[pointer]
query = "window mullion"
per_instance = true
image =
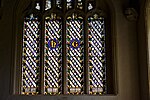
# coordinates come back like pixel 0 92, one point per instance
pixel 86 74
pixel 42 34
pixel 42 57
pixel 53 3
pixel 42 51
pixel 64 78
pixel 64 91
pixel 43 2
pixel 75 4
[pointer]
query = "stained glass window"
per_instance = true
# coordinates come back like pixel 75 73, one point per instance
pixel 53 55
pixel 37 6
pixel 91 4
pixel 69 4
pixel 79 5
pixel 59 3
pixel 31 55
pixel 97 55
pixel 48 4
pixel 64 49
pixel 75 54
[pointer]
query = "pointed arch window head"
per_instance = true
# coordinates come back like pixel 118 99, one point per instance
pixel 65 51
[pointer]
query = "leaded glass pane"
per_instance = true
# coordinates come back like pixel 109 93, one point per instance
pixel 59 3
pixel 69 4
pixel 75 54
pixel 30 56
pixel 80 4
pixel 91 4
pixel 97 55
pixel 48 4
pixel 53 55
pixel 37 6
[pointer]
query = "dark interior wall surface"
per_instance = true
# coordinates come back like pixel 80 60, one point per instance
pixel 6 45
pixel 126 51
pixel 143 48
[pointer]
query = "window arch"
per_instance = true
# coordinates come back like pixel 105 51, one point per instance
pixel 64 49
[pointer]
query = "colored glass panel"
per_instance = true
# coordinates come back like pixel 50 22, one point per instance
pixel 59 3
pixel 69 4
pixel 97 55
pixel 30 56
pixel 48 4
pixel 37 6
pixel 80 4
pixel 75 54
pixel 91 5
pixel 53 55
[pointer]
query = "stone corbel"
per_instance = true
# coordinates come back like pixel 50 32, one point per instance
pixel 131 14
